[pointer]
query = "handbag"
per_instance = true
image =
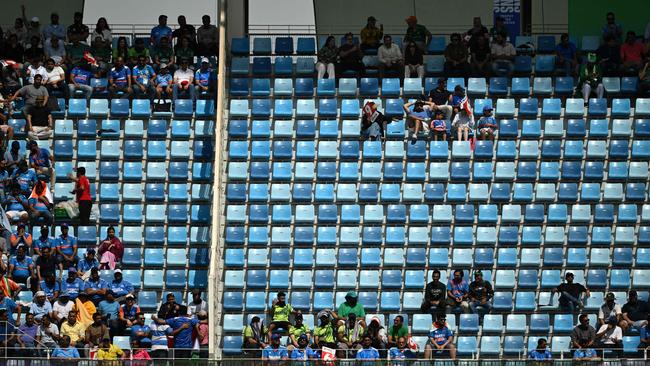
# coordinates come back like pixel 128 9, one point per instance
pixel 162 105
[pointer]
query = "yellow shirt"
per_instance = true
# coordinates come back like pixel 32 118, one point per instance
pixel 371 36
pixel 109 354
pixel 75 332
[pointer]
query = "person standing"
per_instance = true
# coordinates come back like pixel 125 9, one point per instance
pixel 82 191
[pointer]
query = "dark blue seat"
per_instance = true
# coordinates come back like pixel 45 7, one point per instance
pixel 563 85
pixel 568 191
pixel 261 66
pixel 304 87
pixel 283 66
pixel 133 149
pixel 484 149
pixel 635 192
pixel 629 85
pixel 551 149
pixel 369 87
pixel 597 107
pixel 284 46
pixel 261 87
pixel 508 235
pixel 571 170
pixel 534 213
pixel 306 128
pixel 526 170
pixel 434 192
pixel 498 86
pixel 240 46
pixel 508 128
pixel 593 171
pixel 119 108
pixel 109 170
pixel 523 65
pixel 500 192
pixel 618 149
pixel 576 128
pixel 306 46
pixel 528 107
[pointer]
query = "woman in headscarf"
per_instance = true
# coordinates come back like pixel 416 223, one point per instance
pixel 110 250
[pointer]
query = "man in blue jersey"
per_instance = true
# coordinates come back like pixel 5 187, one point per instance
pixel 161 31
pixel 120 286
pixel 585 353
pixel 80 80
pixel 95 286
pixel 400 352
pixel 66 248
pixel 182 328
pixel 72 284
pixel 205 79
pixel 119 80
pixel 143 79
pixel 50 286
pixel 440 338
pixel 24 177
pixel 367 352
pixel 43 241
pixel 274 351
pixel 21 266
pixel 303 351
pixel 541 353
pixel 87 263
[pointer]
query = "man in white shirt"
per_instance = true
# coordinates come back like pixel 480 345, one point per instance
pixel 35 68
pixel 610 335
pixel 184 81
pixel 390 57
pixel 197 304
pixel 609 308
pixel 503 53
pixel 62 307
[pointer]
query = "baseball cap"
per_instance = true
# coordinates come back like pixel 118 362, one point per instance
pixel 610 296
pixel 129 296
pixel 163 65
pixel 117 271
pixel 35 20
pixel 303 337
pixel 90 251
pixel 64 225
pixel 205 59
pixel 478 273
pixel 72 270
pixel 275 336
pixel 487 108
pixel 351 294
pixel 39 293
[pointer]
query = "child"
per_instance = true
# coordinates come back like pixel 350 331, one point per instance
pixel 487 124
pixel 438 126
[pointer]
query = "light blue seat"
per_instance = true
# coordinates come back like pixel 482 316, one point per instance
pixel 478 86
pixel 542 86
pixel 467 346
pixel 551 107
pixel 505 108
pixel 347 87
pixel 520 86
pixel 413 86
pixel 574 107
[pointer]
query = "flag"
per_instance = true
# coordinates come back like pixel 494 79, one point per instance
pixel 370 111
pixel 412 345
pixel 90 58
pixel 464 104
pixel 6 63
pixel 328 354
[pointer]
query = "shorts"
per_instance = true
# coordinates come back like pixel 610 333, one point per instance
pixel 281 324
pixel 487 129
pixel 14 215
pixel 639 323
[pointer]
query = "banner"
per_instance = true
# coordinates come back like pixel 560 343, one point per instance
pixel 510 11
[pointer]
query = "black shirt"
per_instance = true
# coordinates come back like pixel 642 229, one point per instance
pixel 39 116
pixel 34 52
pixel 47 265
pixel 636 312
pixel 415 58
pixel 435 291
pixel 77 29
pixel 573 289
pixel 480 290
pixel 480 52
pixel 13 53
pixel 439 97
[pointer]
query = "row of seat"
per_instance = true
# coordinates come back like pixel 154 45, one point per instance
pixel 149 235
pixel 529 235
pixel 112 128
pixel 111 171
pixel 158 257
pixel 64 149
pixel 154 213
pixel 390 87
pixel 120 108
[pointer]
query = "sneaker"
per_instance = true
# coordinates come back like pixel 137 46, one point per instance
pixel 414 139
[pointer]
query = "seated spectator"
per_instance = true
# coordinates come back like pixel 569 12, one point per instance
pixel 327 58
pixel 14 50
pixel 140 331
pixel 440 338
pixel 303 351
pixel 442 98
pixel 111 250
pixel 34 52
pixel 609 309
pixel 96 332
pixel 610 336
pixel 566 55
pixel 97 288
pixel 480 56
pixel 377 333
pixel 274 351
pixel 349 56
pixel 254 338
pixel 86 308
pixel 139 350
pixel 137 51
pixel 50 286
pixel 591 79
pixel 8 287
pixel 101 51
pixel 457 292
pixel 348 336
pixel 31 92
pixel 40 306
pixel 351 305
pixel 20 237
pixel 583 335
pixel 486 125
pixel 390 57
pixel 499 27
pixel 40 158
pixel 279 313
pixel 397 330
pixel 540 353
pixel 164 82
pixel 197 304
pixel 296 330
pixel 584 353
pixel 163 54
pixel 76 52
pixel 169 309
pixel 21 266
pixel 40 204
pixel 480 295
pixel 413 61
pixel 66 247
pixel 55 77
pixel 434 296
pixel 55 49
pixel 24 177
pixel 478 29
pixel 35 68
pixel 371 35
pixel 15 206
pixel 102 30
pixel 644 337
pixel 205 79
pixel 644 80
pixel 609 56
pixel 367 351
pixel 161 31
pixel 128 312
pixel 109 351
pixel 456 57
pixel 183 49
pixel 324 331
pixel 635 312
pixel 502 54
pixel 46 264
pixel 203 333
pixel 12 156
pixel 73 285
pixel 632 54
pixel 80 80
pixel 119 80
pixel 122 49
pixel 417 33
pixel 62 308
pixel 612 29
pixel 401 351
pixel 26 336
pixel 570 294
pixel 208 38
pixel 109 310
pixel 78 31
pixel 47 334
pixel 87 263
pixel 184 82
pixel 463 122
pixel 65 350
pixel 143 79
pixel 419 117
pixel 120 286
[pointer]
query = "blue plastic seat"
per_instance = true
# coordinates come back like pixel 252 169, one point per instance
pixel 283 46
pixel 119 107
pixel 544 64
pixel 281 87
pixel 239 86
pixel 282 66
pixel 304 87
pixel 551 107
pixel 542 86
pixel 563 85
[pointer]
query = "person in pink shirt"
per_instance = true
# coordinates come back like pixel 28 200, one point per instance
pixel 632 53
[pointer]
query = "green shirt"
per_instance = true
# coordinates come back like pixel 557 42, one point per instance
pixel 281 313
pixel 396 333
pixel 185 53
pixel 134 54
pixel 76 53
pixel 324 334
pixel 419 34
pixel 346 309
pixel 103 52
pixel 349 333
pixel 298 331
pixel 163 54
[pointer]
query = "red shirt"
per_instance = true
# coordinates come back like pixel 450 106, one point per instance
pixel 631 52
pixel 85 184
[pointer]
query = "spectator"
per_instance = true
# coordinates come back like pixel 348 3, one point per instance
pixel 39 306
pixel 20 237
pixel 55 78
pixel 163 82
pixel 143 77
pixel 140 331
pixel 109 351
pixel 47 334
pixel 62 307
pixel 139 351
pixel 65 350
pixel 418 117
pixel 25 178
pixel 31 92
pixel 13 50
pixel 502 54
pixel 612 29
pixel 440 338
pixel 40 159
pixel 390 57
pixel 303 351
pixel 413 61
pixel 55 49
pixel 367 352
pixel 128 312
pixel 185 30
pixel 296 330
pixel 101 51
pixel 73 285
pixel 109 309
pixel 541 353
pixel 609 309
pixel 10 306
pixel 635 312
pixel 417 33
pixel 434 296
pixel 169 309
pixel 571 294
pixel 15 206
pixel 583 335
pixel 197 304
pixel 585 353
pixel 442 98
pixel 54 29
pixel 350 56
pixel 644 80
pixel 486 125
pixel 163 54
pixel 590 78
pixel 274 351
pixel 19 30
pixel 80 80
pixel 8 287
pixel 78 31
pixel 21 266
pixel 644 335
pixel 87 263
pixel 480 295
pixel 324 331
pixel 66 247
pixel 373 122
pixel 86 308
pixel 208 38
pixel 159 334
pixel 161 31
pixel 566 55
pixel 205 79
pixel 11 82
pixel 43 241
pixel 34 52
pixel 464 120
pixel 480 56
pixel 26 336
pixel 119 80
pixel 50 286
pixel 103 31
pixel 184 81
pixel 122 49
pixel 39 203
pixel 253 334
pixel 478 29
pixel 348 336
pixel 35 68
pixel 327 58
pixel 46 264
pixel 82 192
pixel 76 52
pixel 397 330
pixel 401 351
pixel 371 35
pixel 96 332
pixel 610 335
pixel 456 57
pixel 499 27
pixel 351 305
pixel 280 312
pixel 138 50
pixel 377 333
pixel 97 288
pixel 182 326
pixel 184 50
pixel 13 156
pixel 110 250
pixel 632 54
pixel 457 292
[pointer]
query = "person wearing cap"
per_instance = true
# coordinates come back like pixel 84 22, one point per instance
pixel 170 308
pixel 33 26
pixel 348 336
pixel 32 91
pixel 456 54
pixel 566 55
pixel 324 331
pixel 367 351
pixel 570 294
pixel 590 78
pixel 43 241
pixel 297 330
pixel 503 55
pixel 97 288
pixel 65 350
pixel 440 338
pixel 326 59
pixel 480 295
pixel 610 335
pixel 46 263
pixel 87 263
pixel 109 351
pixel 463 122
pixel 128 312
pixel 66 248
pixel 139 330
pixel 183 81
pixel 205 79
pixel 119 285
pixel 161 31
pixel 183 326
pixel 143 76
pixel 417 33
pixel 54 29
pixel 73 285
pixel 458 292
pixel 634 312
pixel 47 334
pixel 254 336
pixel 82 194
pixel 279 313
pixel 79 80
pixel 419 114
pixel 40 158
pixel 486 125
pixel 208 38
pixel 351 305
pixel 303 351
pixel 50 286
pixel 371 35
pixel 583 334
pixel 10 307
pixel 78 31
pixel 40 306
pixel 377 333
pixel 274 351
pixel 119 80
pixel 350 56
pixel 21 266
pixel 609 309
pixel 541 352
pixel 163 82
pixel 390 57
pixel 62 307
